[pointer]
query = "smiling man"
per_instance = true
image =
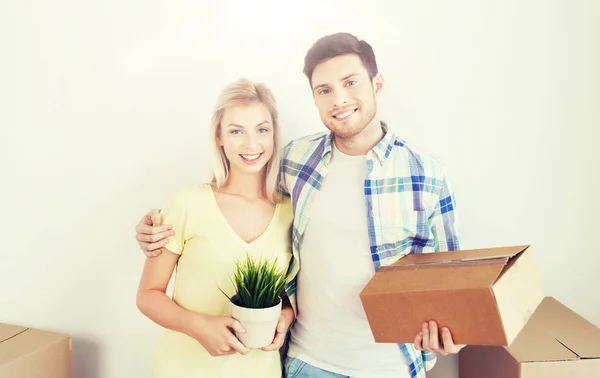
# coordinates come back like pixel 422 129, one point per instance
pixel 362 199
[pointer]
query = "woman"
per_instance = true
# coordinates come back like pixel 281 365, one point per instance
pixel 214 224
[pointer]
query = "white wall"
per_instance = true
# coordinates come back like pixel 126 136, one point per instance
pixel 105 108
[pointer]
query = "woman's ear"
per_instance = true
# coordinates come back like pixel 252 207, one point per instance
pixel 219 138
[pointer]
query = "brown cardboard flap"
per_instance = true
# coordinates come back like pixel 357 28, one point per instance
pixel 447 263
pixel 425 278
pixel 575 332
pixel 548 350
pixel 446 270
pixel 556 333
pixel 8 331
pixel 457 257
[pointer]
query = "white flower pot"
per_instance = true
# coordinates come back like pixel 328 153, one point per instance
pixel 260 324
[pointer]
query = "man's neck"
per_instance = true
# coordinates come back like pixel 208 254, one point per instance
pixel 363 142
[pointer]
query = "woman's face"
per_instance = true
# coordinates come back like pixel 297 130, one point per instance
pixel 247 137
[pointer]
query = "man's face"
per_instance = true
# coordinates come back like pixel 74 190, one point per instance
pixel 344 95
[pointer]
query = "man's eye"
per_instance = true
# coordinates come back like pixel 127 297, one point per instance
pixel 236 131
pixel 351 83
pixel 324 91
pixel 263 130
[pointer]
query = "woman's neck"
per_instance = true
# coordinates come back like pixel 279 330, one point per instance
pixel 247 185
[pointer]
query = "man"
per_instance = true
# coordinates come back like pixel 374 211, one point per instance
pixel 362 199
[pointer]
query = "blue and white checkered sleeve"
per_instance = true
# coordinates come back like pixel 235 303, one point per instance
pixel 443 219
pixel 429 359
pixel 281 180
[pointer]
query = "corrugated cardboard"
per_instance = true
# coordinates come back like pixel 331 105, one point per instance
pixel 555 343
pixel 33 353
pixel 484 296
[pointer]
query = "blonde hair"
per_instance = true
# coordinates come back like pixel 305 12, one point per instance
pixel 245 92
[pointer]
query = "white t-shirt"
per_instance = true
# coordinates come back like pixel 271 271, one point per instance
pixel 332 331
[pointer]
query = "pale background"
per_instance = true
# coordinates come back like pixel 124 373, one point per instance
pixel 105 108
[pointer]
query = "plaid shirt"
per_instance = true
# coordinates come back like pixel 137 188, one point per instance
pixel 409 203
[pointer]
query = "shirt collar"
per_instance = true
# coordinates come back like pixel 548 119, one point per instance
pixel 381 150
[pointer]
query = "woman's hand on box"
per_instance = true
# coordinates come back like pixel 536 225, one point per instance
pixel 428 339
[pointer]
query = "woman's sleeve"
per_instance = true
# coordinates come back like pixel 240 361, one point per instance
pixel 175 213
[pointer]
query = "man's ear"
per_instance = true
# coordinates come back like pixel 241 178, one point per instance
pixel 378 84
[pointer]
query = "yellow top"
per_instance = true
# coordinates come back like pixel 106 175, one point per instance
pixel 209 248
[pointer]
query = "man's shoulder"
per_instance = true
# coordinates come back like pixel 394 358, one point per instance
pixel 310 141
pixel 426 161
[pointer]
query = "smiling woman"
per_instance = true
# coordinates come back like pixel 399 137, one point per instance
pixel 245 131
pixel 213 225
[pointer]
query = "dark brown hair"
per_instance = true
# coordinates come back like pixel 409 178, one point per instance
pixel 337 44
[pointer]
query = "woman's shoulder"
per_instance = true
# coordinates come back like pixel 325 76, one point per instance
pixel 191 195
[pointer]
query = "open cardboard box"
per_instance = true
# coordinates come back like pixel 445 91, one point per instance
pixel 484 296
pixel 33 353
pixel 555 343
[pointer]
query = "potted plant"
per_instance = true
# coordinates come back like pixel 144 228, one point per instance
pixel 256 304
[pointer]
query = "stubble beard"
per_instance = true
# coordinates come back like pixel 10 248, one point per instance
pixel 347 134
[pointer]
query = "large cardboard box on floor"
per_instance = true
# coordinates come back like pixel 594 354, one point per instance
pixel 33 353
pixel 555 343
pixel 484 296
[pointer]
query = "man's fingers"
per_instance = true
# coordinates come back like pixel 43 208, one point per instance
pixel 146 229
pixel 434 340
pixel 153 249
pixel 146 220
pixel 153 253
pixel 161 228
pixel 447 338
pixel 153 238
pixel 143 228
pixel 158 245
pixel 419 341
pixel 425 332
pixel 429 339
pixel 155 217
pixel 449 346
